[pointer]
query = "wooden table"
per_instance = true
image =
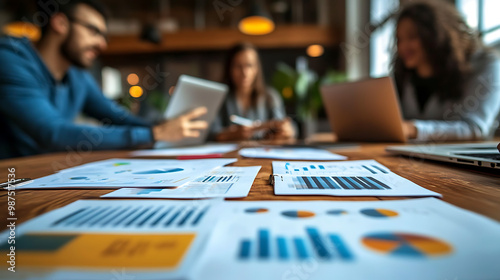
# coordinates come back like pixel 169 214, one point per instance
pixel 469 188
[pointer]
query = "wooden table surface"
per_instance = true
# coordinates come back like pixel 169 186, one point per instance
pixel 470 188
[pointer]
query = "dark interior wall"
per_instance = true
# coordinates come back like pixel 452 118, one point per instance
pixel 209 65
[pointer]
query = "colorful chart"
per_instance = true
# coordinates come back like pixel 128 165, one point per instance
pixel 79 178
pixel 379 213
pixel 50 250
pixel 256 210
pixel 298 214
pixel 336 212
pixel 115 217
pixel 121 163
pixel 313 244
pixel 159 171
pixel 406 245
pixel 148 191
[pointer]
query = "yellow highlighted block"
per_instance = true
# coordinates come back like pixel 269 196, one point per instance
pixel 97 250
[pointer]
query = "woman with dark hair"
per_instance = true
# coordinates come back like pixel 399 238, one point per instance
pixel 449 84
pixel 250 98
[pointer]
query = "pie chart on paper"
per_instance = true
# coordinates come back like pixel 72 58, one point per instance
pixel 406 245
pixel 298 214
pixel 256 210
pixel 379 213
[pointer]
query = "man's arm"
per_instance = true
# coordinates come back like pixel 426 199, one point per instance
pixel 27 107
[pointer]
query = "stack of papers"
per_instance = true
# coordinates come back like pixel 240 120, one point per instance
pixel 125 239
pixel 187 151
pixel 348 178
pixel 131 173
pixel 410 239
pixel 230 182
pixel 214 239
pixel 290 153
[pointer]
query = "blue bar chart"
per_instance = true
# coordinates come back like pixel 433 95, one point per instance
pixel 140 216
pixel 312 244
pixel 346 183
pixel 374 169
pixel 218 179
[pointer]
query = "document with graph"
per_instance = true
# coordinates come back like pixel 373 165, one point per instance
pixel 129 173
pixel 405 239
pixel 347 178
pixel 103 239
pixel 220 182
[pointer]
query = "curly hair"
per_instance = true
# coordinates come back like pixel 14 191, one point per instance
pixel 447 41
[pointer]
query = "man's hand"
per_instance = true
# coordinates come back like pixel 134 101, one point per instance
pixel 184 126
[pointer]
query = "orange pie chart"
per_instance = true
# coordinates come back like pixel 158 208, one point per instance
pixel 406 245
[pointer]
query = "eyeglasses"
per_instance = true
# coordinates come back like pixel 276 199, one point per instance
pixel 94 30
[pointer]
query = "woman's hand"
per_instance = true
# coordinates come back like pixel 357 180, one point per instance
pixel 280 129
pixel 409 130
pixel 237 133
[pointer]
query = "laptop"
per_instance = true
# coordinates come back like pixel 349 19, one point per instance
pixel 191 92
pixel 477 154
pixel 366 110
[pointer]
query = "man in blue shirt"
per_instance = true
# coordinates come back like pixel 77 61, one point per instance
pixel 43 87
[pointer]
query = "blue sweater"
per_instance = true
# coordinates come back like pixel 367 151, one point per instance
pixel 38 112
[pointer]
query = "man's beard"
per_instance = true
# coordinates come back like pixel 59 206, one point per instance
pixel 70 53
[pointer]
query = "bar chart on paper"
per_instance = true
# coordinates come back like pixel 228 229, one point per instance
pixel 141 216
pixel 313 244
pixel 392 239
pixel 361 167
pixel 346 183
pixel 220 182
pixel 348 178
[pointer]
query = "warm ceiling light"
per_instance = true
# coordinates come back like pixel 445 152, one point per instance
pixel 287 92
pixel 133 79
pixel 257 21
pixel 23 29
pixel 315 50
pixel 136 91
pixel 256 25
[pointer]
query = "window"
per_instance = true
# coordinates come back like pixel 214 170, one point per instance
pixel 382 39
pixel 482 15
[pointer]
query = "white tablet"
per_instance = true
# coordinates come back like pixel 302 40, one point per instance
pixel 190 93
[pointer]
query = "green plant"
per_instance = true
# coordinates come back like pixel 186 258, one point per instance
pixel 302 88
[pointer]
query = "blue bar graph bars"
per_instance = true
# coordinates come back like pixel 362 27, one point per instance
pixel 373 169
pixel 245 249
pixel 345 183
pixel 218 179
pixel 137 217
pixel 313 244
pixel 264 251
pixel 282 248
pixel 318 244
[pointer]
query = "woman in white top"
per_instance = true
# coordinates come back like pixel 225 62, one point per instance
pixel 449 84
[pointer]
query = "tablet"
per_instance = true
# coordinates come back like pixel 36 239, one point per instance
pixel 189 93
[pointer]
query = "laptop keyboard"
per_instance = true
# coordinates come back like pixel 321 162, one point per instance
pixel 485 156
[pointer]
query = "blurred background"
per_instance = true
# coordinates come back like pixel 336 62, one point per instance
pixel 302 43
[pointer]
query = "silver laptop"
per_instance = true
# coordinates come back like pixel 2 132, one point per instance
pixel 477 154
pixel 366 110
